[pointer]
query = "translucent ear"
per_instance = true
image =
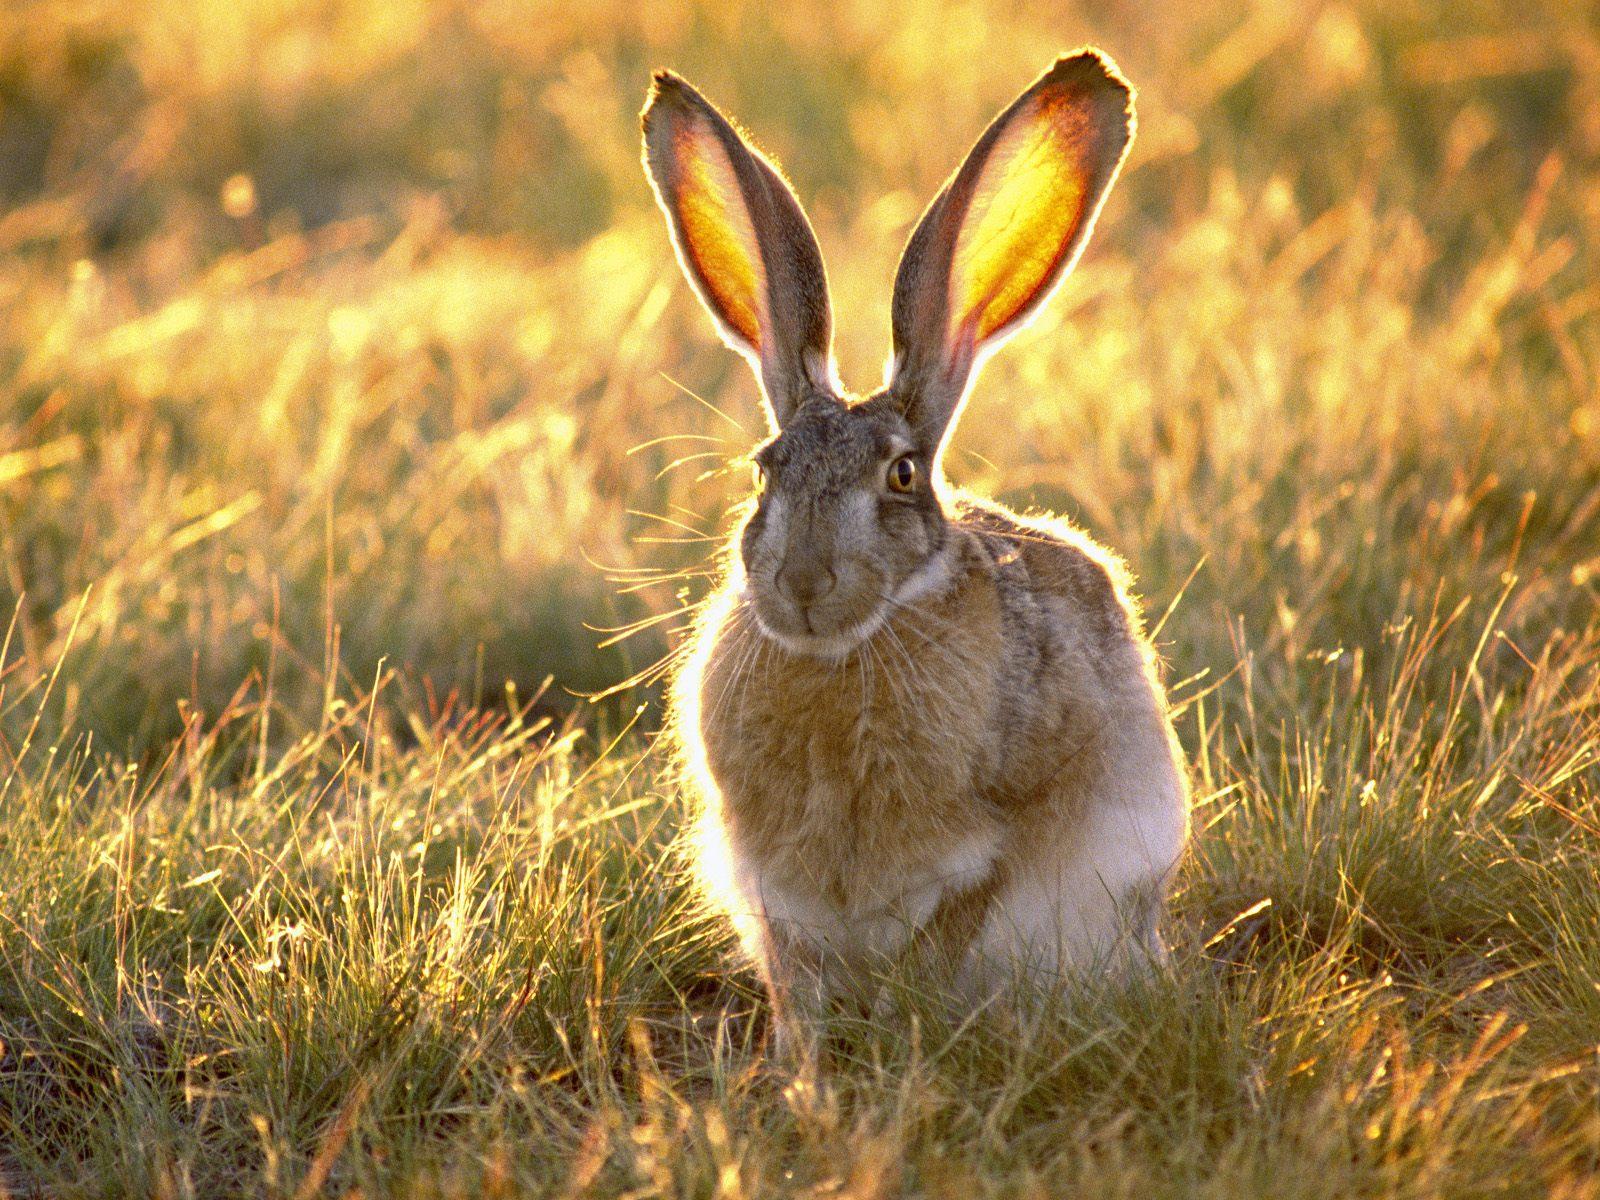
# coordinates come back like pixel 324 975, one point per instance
pixel 1004 231
pixel 743 241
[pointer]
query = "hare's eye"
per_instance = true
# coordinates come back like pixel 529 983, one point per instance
pixel 902 474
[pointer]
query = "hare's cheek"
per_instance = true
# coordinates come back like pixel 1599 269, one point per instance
pixel 929 577
pixel 855 510
pixel 761 544
pixel 908 540
pixel 856 535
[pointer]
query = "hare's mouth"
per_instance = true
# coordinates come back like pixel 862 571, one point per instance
pixel 794 631
pixel 831 646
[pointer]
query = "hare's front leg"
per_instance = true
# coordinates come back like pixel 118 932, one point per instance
pixel 935 958
pixel 794 971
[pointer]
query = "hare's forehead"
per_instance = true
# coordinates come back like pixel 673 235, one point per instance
pixel 831 443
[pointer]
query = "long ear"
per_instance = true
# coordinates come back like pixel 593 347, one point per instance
pixel 1004 232
pixel 744 243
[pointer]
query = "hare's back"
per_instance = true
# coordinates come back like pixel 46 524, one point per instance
pixel 1054 560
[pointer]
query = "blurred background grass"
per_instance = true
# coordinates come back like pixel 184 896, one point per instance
pixel 321 315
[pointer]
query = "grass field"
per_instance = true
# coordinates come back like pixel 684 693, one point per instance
pixel 349 390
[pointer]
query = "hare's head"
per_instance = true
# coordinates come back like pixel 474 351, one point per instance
pixel 847 521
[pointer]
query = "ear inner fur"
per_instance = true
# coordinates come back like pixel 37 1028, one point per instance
pixel 1004 232
pixel 744 242
pixel 1018 232
pixel 718 242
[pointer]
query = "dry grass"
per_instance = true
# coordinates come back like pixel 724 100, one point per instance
pixel 342 358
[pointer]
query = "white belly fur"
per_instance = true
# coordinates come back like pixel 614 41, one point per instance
pixel 1076 890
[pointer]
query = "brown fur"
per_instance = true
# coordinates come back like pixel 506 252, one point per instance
pixel 988 702
pixel 920 727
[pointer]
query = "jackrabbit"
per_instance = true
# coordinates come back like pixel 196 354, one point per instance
pixel 922 728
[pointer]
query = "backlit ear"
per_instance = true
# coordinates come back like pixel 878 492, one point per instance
pixel 744 243
pixel 1004 232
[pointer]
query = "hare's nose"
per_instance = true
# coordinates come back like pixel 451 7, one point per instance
pixel 803 588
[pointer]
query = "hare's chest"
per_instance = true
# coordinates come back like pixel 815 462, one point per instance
pixel 830 772
pixel 850 794
pixel 869 739
pixel 847 840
